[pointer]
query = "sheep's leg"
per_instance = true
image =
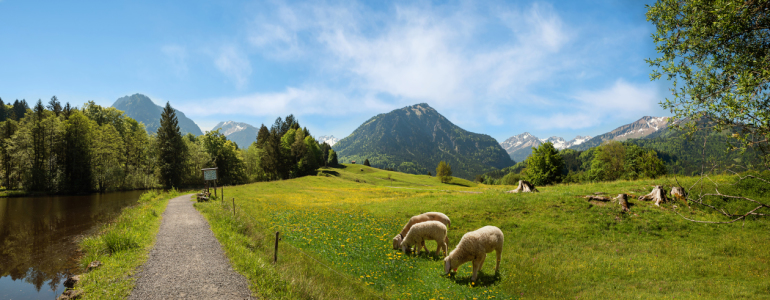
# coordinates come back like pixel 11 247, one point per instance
pixel 499 255
pixel 422 244
pixel 476 267
pixel 418 246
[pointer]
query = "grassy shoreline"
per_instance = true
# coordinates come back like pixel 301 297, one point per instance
pixel 122 246
pixel 336 233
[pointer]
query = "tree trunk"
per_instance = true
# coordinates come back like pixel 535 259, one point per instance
pixel 623 201
pixel 658 195
pixel 524 187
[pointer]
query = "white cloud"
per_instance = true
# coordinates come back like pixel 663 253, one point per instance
pixel 419 53
pixel 234 64
pixel 616 102
pixel 298 101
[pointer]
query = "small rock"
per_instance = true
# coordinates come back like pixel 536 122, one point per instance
pixel 93 265
pixel 70 282
pixel 71 294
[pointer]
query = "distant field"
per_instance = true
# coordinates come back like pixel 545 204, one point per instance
pixel 337 227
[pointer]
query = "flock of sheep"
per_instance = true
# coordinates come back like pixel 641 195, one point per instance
pixel 473 246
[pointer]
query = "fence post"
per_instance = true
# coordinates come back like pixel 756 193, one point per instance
pixel 233 207
pixel 275 255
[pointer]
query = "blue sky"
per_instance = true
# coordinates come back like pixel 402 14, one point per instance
pixel 561 68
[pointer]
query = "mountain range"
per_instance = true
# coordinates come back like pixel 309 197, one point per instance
pixel 641 128
pixel 240 133
pixel 329 139
pixel 520 146
pixel 414 139
pixel 139 107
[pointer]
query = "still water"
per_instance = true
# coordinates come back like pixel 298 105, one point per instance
pixel 39 235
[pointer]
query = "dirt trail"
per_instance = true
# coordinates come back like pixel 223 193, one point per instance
pixel 187 261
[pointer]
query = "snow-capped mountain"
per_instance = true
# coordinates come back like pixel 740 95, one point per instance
pixel 329 139
pixel 241 133
pixel 641 128
pixel 520 146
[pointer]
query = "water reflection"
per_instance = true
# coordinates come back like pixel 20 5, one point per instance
pixel 38 239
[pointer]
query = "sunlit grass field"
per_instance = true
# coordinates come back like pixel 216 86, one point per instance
pixel 337 227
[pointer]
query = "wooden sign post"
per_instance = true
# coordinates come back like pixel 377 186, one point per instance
pixel 210 175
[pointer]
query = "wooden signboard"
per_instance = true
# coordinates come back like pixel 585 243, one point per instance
pixel 210 174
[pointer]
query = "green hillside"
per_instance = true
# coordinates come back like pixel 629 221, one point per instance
pixel 416 138
pixel 139 107
pixel 336 232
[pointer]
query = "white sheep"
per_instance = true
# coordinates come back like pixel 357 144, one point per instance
pixel 429 230
pixel 474 246
pixel 428 216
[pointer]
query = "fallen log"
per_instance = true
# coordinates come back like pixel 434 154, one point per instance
pixel 658 195
pixel 623 201
pixel 597 198
pixel 524 187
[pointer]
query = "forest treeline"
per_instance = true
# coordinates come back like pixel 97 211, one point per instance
pixel 610 161
pixel 59 148
pixel 668 152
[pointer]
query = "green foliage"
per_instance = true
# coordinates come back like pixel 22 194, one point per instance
pixel 224 156
pixel 715 54
pixel 444 172
pixel 545 165
pixel 366 163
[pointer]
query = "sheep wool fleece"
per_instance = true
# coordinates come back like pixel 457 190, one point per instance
pixel 474 247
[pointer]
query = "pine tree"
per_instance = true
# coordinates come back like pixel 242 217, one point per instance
pixel 366 163
pixel 3 113
pixel 171 149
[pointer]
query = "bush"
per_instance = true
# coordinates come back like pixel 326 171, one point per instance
pixel 510 179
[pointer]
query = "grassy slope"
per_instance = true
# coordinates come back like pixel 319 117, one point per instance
pixel 337 241
pixel 122 246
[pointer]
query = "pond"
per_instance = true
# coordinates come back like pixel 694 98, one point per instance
pixel 39 235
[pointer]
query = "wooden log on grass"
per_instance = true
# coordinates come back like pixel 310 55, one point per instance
pixel 597 198
pixel 658 195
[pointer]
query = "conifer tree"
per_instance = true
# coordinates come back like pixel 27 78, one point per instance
pixel 171 149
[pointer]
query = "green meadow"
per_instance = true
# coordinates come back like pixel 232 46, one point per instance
pixel 336 232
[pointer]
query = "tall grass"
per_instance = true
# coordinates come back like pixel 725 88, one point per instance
pixel 122 246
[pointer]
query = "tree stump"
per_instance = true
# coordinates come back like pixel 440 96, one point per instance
pixel 623 201
pixel 678 192
pixel 524 187
pixel 658 195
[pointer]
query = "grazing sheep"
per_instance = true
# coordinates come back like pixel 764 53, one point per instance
pixel 428 216
pixel 474 246
pixel 429 230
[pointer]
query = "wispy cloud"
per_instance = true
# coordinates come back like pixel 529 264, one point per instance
pixel 592 107
pixel 490 64
pixel 234 64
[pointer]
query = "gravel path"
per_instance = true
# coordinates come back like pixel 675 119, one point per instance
pixel 187 261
